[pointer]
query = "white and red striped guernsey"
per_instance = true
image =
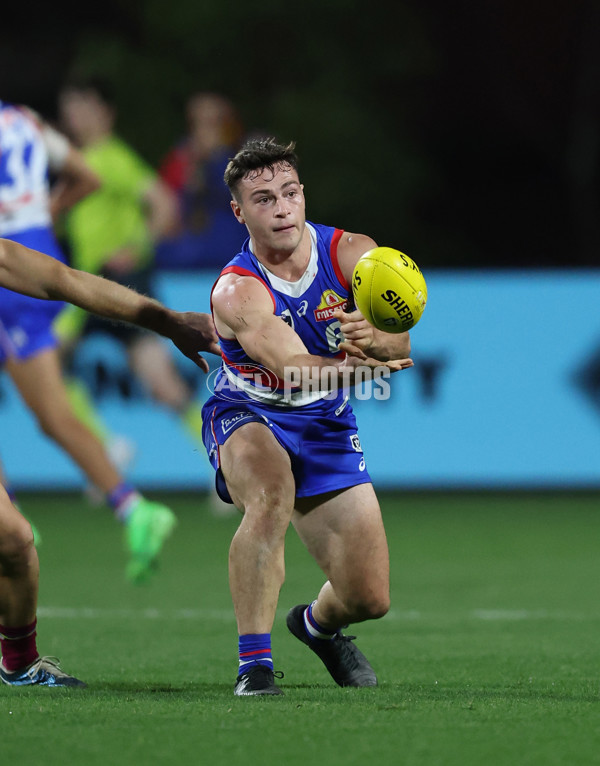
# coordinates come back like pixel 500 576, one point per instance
pixel 24 184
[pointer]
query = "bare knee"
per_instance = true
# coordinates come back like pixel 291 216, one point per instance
pixel 370 606
pixel 16 548
pixel 269 510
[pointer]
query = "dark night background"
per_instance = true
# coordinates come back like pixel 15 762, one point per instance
pixel 465 133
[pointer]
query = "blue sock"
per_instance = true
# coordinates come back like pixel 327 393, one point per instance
pixel 315 631
pixel 121 498
pixel 255 649
pixel 11 494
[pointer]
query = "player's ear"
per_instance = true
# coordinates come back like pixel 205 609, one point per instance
pixel 237 211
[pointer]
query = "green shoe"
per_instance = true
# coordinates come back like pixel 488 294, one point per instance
pixel 147 527
pixel 37 538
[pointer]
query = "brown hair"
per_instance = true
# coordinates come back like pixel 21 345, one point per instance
pixel 256 155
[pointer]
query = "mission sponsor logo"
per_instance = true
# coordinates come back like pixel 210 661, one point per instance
pixel 330 301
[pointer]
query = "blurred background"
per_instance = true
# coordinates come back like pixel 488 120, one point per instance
pixel 464 134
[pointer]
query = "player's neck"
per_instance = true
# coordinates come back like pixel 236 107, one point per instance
pixel 287 265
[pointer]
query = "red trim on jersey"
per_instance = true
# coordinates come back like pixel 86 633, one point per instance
pixel 333 252
pixel 247 273
pixel 243 273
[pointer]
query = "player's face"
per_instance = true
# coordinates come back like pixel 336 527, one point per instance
pixel 273 209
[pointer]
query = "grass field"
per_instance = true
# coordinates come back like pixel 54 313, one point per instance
pixel 490 655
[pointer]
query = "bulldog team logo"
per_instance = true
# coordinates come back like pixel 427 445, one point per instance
pixel 330 301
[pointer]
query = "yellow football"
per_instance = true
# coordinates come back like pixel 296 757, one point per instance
pixel 389 289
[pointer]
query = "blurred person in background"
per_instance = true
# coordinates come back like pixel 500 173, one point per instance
pixel 29 150
pixel 114 232
pixel 42 277
pixel 206 232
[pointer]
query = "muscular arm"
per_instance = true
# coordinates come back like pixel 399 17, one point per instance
pixel 35 274
pixel 380 345
pixel 243 309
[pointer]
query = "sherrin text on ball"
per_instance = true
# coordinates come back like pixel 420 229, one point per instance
pixel 389 289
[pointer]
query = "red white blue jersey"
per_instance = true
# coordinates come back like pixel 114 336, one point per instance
pixel 27 149
pixel 307 305
pixel 24 187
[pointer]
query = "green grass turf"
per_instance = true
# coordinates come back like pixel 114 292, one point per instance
pixel 490 655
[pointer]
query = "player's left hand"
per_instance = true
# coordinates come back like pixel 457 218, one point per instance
pixel 358 341
pixel 357 332
pixel 193 333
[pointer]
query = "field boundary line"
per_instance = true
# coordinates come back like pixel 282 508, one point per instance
pixel 226 615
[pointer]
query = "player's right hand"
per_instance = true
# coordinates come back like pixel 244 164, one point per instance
pixel 194 333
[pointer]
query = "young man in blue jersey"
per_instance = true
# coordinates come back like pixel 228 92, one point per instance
pixel 291 454
pixel 40 276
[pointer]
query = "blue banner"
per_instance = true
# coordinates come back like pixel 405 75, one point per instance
pixel 505 392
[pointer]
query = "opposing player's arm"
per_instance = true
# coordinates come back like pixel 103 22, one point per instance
pixel 243 309
pixel 357 331
pixel 32 273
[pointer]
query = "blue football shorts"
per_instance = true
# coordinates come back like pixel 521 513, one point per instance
pixel 26 323
pixel 322 442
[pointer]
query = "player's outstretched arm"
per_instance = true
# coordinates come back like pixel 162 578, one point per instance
pixel 243 309
pixel 32 273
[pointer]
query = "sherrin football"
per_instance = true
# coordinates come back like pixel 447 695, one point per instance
pixel 389 289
